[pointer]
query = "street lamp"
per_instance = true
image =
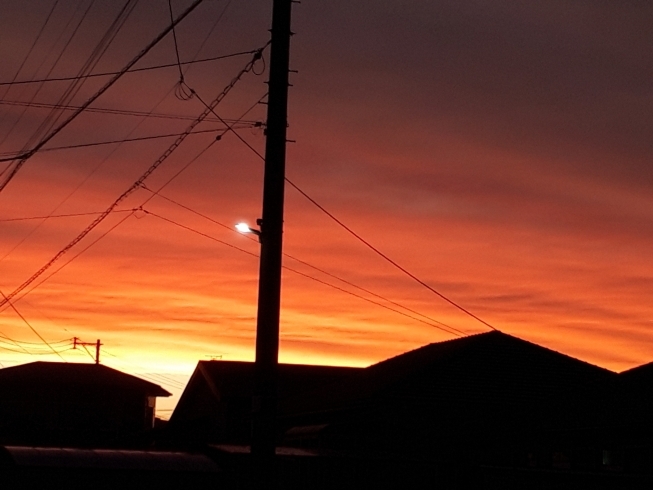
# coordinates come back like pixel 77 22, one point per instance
pixel 243 227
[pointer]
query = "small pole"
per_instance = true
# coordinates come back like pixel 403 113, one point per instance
pixel 77 341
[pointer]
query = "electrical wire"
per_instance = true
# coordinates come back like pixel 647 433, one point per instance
pixel 56 61
pixel 231 229
pixel 174 37
pixel 339 222
pixel 131 140
pixel 152 376
pixel 4 337
pixel 29 53
pixel 56 112
pixel 59 352
pixel 388 259
pixel 132 211
pixel 365 242
pixel 17 345
pixel 218 138
pixel 87 177
pixel 89 101
pixel 119 112
pixel 141 179
pixel 4 307
pixel 126 217
pixel 208 35
pixel 196 95
pixel 87 351
pixel 93 59
pixel 71 215
pixel 13 307
pixel 131 70
pixel 217 240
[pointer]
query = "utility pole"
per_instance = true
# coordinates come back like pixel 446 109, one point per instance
pixel 97 344
pixel 264 402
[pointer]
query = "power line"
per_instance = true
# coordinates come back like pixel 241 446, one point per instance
pixel 200 233
pixel 131 70
pixel 219 137
pixel 26 57
pixel 152 376
pixel 174 37
pixel 4 307
pixel 93 59
pixel 134 210
pixel 7 300
pixel 119 112
pixel 89 101
pixel 193 230
pixel 444 325
pixel 142 178
pixel 36 353
pixel 25 342
pixel 96 167
pixel 17 345
pixel 56 61
pixel 127 140
pixel 71 215
pixel 349 230
pixel 195 94
pixel 385 257
pixel 208 35
pixel 368 244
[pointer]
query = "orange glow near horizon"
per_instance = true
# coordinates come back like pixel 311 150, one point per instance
pixel 510 173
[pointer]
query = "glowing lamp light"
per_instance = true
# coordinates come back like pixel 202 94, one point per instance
pixel 243 228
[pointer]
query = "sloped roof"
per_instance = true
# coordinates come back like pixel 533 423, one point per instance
pixel 490 372
pixel 52 374
pixel 636 394
pixel 217 402
pixel 643 374
pixel 235 379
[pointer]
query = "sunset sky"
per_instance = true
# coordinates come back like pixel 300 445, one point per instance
pixel 500 151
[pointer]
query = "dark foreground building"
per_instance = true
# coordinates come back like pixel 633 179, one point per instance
pixel 75 405
pixel 215 407
pixel 485 411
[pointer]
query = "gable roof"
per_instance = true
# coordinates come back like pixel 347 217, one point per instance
pixel 235 379
pixel 57 374
pixel 493 370
pixel 217 402
pixel 638 374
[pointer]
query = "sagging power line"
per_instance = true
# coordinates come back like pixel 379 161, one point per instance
pixel 210 109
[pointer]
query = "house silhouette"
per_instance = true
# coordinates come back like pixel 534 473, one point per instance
pixel 216 405
pixel 484 411
pixel 76 405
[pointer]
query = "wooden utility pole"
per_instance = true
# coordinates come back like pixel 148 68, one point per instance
pixel 97 344
pixel 264 402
